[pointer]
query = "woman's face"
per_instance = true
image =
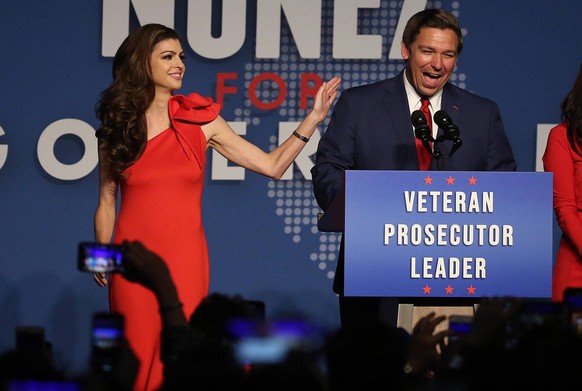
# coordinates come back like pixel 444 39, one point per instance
pixel 167 66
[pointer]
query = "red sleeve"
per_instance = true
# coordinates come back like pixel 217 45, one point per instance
pixel 193 108
pixel 187 113
pixel 560 159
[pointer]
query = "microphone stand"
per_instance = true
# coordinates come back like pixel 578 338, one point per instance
pixel 436 152
pixel 423 133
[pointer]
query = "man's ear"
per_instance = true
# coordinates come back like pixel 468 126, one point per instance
pixel 404 51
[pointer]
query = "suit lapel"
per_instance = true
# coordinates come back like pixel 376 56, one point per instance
pixel 450 103
pixel 396 104
pixel 452 106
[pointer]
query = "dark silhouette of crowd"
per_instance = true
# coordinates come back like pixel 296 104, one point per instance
pixel 228 344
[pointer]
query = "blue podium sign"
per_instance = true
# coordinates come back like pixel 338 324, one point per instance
pixel 450 234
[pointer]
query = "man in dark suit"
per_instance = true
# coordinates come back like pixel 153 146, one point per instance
pixel 371 129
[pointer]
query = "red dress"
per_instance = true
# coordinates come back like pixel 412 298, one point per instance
pixel 161 205
pixel 566 165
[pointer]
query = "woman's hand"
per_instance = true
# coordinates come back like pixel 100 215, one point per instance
pixel 100 279
pixel 324 98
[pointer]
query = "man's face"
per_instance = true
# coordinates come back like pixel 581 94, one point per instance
pixel 431 60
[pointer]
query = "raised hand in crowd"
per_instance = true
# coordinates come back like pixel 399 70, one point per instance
pixel 423 353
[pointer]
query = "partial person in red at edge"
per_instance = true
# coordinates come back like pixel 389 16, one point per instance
pixel 152 148
pixel 563 157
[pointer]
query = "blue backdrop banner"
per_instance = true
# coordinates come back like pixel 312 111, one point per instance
pixel 261 60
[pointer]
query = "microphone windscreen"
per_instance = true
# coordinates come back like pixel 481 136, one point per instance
pixel 442 119
pixel 418 118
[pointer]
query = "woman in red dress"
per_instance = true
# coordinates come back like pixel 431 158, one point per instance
pixel 152 148
pixel 563 157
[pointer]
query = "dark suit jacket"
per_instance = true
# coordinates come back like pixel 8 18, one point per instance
pixel 370 129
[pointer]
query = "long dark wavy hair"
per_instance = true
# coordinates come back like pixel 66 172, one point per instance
pixel 572 113
pixel 121 109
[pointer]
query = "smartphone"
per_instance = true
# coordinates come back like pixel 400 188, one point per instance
pixel 573 303
pixel 257 350
pixel 271 342
pixel 43 385
pixel 100 258
pixel 107 338
pixel 107 330
pixel 536 313
pixel 459 326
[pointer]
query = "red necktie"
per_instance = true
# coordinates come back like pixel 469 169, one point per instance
pixel 424 156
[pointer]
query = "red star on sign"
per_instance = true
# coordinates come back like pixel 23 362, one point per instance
pixel 428 180
pixel 471 290
pixel 450 180
pixel 449 290
pixel 426 289
pixel 473 181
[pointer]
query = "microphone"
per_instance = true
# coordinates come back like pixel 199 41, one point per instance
pixel 451 131
pixel 421 128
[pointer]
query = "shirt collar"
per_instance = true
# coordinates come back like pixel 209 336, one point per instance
pixel 414 98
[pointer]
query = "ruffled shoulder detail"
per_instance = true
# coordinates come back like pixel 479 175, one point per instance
pixel 193 108
pixel 187 113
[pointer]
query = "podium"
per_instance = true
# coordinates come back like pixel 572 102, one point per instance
pixel 444 239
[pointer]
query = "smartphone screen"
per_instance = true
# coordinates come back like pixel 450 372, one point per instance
pixel 536 313
pixel 271 342
pixel 107 337
pixel 43 385
pixel 262 350
pixel 100 258
pixel 459 326
pixel 107 330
